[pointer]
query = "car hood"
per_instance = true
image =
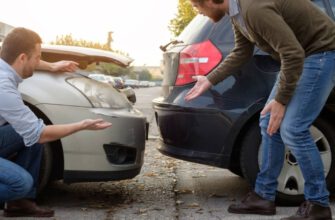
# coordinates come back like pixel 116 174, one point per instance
pixel 53 53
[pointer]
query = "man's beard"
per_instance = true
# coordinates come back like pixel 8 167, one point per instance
pixel 28 72
pixel 217 16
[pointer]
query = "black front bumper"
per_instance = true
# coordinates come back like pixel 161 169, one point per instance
pixel 197 135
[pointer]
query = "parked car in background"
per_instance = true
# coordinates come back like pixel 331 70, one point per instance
pixel 116 83
pixel 133 83
pixel 144 84
pixel 152 84
pixel 112 154
pixel 119 83
pixel 220 127
pixel 100 77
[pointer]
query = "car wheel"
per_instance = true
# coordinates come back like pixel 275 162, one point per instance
pixel 290 181
pixel 46 166
pixel 236 170
pixel 132 98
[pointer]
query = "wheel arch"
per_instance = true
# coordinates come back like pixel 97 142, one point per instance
pixel 234 163
pixel 57 169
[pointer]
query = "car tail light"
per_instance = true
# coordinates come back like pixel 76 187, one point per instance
pixel 197 59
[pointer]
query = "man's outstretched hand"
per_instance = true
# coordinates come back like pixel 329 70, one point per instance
pixel 95 124
pixel 200 87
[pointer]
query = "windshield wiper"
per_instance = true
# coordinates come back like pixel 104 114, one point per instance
pixel 163 48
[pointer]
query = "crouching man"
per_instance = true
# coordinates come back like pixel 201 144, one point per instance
pixel 21 132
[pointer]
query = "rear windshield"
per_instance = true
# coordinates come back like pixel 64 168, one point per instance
pixel 320 5
pixel 202 28
pixel 332 4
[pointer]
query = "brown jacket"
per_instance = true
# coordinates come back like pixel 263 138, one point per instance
pixel 289 30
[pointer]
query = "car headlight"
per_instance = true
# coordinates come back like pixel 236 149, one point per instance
pixel 101 95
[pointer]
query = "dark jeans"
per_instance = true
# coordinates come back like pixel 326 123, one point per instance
pixel 18 178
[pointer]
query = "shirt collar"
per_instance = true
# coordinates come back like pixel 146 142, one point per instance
pixel 11 72
pixel 233 8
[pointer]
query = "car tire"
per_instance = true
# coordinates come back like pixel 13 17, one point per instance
pixel 46 167
pixel 291 192
pixel 132 99
pixel 237 171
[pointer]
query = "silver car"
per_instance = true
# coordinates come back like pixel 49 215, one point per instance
pixel 112 154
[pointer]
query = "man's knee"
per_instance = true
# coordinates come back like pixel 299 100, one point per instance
pixel 263 123
pixel 22 185
pixel 293 135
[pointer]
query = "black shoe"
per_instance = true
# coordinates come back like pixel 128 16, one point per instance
pixel 311 211
pixel 253 204
pixel 26 208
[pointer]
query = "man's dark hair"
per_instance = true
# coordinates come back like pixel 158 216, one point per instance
pixel 18 41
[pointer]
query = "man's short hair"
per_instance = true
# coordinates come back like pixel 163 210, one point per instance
pixel 19 40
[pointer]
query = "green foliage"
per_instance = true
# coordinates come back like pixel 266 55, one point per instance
pixel 114 70
pixel 145 75
pixel 107 68
pixel 185 14
pixel 70 41
pixel 141 73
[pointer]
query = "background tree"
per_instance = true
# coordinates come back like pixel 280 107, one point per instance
pixel 185 14
pixel 106 68
pixel 70 41
pixel 145 75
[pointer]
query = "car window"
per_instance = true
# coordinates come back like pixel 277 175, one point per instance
pixel 321 5
pixel 332 4
pixel 222 32
pixel 197 30
pixel 202 28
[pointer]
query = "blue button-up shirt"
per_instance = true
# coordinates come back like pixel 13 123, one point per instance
pixel 235 14
pixel 12 108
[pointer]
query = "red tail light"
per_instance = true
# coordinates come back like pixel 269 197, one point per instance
pixel 197 59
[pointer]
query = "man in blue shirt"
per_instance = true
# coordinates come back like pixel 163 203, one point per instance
pixel 21 132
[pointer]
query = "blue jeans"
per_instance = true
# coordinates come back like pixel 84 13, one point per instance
pixel 311 93
pixel 18 179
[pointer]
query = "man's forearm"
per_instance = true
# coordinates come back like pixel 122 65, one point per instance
pixel 43 65
pixel 55 132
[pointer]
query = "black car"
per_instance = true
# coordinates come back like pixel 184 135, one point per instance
pixel 220 128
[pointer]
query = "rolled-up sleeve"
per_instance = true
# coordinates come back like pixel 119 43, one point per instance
pixel 20 117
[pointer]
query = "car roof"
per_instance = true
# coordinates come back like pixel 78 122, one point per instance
pixel 90 55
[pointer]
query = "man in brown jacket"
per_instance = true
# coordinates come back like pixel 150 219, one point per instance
pixel 302 38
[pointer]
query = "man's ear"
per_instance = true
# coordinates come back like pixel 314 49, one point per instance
pixel 22 57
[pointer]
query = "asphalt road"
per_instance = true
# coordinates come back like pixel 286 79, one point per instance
pixel 166 189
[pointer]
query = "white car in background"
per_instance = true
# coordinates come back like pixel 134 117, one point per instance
pixel 133 83
pixel 102 78
pixel 144 84
pixel 115 82
pixel 112 154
